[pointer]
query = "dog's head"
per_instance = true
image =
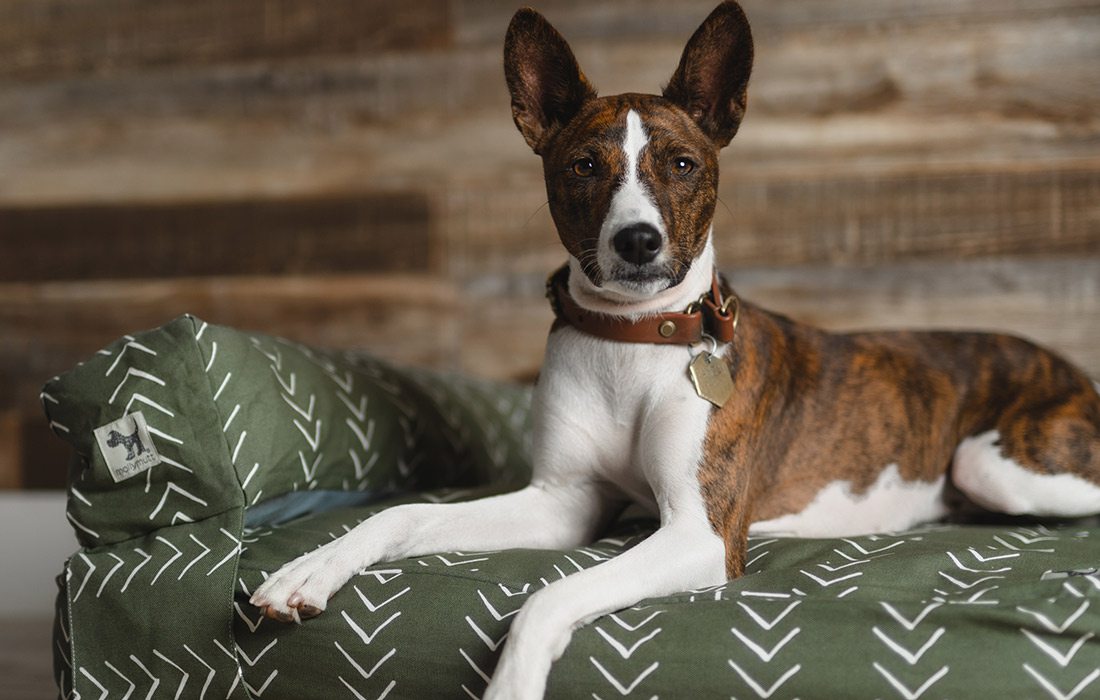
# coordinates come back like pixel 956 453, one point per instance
pixel 632 179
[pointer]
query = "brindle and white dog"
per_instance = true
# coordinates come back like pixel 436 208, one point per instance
pixel 822 434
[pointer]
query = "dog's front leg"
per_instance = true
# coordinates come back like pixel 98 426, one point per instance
pixel 540 516
pixel 683 554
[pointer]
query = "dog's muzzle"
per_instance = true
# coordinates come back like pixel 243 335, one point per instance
pixel 637 244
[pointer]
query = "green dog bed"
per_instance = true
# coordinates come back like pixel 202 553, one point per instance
pixel 205 457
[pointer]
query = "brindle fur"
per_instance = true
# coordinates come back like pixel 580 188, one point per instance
pixel 809 407
pixel 579 205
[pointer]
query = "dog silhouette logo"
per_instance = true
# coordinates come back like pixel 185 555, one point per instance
pixel 127 447
pixel 132 443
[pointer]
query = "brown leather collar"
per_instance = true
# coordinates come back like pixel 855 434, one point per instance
pixel 708 315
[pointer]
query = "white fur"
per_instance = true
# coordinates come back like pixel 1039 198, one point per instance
pixel 616 422
pixel 696 281
pixel 542 516
pixel 624 418
pixel 995 482
pixel 631 203
pixel 889 505
pixel 613 422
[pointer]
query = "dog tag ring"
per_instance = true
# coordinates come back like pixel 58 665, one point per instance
pixel 711 376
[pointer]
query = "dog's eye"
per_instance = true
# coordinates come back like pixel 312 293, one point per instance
pixel 683 166
pixel 583 167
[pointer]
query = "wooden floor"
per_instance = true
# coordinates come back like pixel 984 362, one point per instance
pixel 26 665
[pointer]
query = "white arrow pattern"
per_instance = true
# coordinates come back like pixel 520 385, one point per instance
pixel 628 648
pixel 1062 659
pixel 911 658
pixel 906 692
pixel 1050 625
pixel 769 634
pixel 1055 692
pixel 760 690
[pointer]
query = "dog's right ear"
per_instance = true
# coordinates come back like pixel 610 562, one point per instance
pixel 547 86
pixel 711 82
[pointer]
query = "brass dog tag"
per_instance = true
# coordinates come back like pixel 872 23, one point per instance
pixel 711 376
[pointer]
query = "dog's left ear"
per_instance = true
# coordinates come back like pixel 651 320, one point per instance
pixel 547 86
pixel 711 82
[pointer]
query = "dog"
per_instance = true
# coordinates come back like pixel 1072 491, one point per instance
pixel 662 388
pixel 132 443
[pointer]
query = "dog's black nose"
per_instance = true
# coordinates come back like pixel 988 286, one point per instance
pixel 637 244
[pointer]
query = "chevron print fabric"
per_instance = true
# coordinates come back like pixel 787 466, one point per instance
pixel 946 611
pixel 156 602
pixel 236 420
pixel 147 615
pixel 241 418
pixel 158 373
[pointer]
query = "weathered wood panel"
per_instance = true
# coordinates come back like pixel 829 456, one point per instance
pixel 811 216
pixel 905 143
pixel 868 218
pixel 71 37
pixel 500 332
pixel 364 232
pixel 1010 88
pixel 483 21
pixel 862 144
pixel 11 452
pixel 48 328
pixel 1053 301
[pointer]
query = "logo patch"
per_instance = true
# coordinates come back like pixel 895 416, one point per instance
pixel 127 447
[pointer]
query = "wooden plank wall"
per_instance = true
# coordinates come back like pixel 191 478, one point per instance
pixel 342 172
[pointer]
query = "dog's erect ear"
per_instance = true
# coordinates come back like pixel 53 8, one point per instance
pixel 711 82
pixel 546 83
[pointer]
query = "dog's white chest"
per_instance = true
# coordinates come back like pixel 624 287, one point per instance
pixel 624 412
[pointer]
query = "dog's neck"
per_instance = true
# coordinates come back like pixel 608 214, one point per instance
pixel 696 282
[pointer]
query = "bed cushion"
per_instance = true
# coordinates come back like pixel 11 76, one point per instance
pixel 216 418
pixel 157 598
pixel 942 611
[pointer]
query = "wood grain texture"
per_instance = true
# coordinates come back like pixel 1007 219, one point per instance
pixel 483 21
pixel 1002 90
pixel 25 657
pixel 862 141
pixel 947 214
pixel 49 327
pixel 1054 301
pixel 375 232
pixel 811 216
pixel 903 162
pixel 71 37
pixel 11 452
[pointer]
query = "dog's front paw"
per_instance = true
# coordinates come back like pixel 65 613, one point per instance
pixel 301 589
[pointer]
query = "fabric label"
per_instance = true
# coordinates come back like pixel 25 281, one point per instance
pixel 127 447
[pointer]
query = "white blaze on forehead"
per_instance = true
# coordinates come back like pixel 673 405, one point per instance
pixel 631 202
pixel 636 139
